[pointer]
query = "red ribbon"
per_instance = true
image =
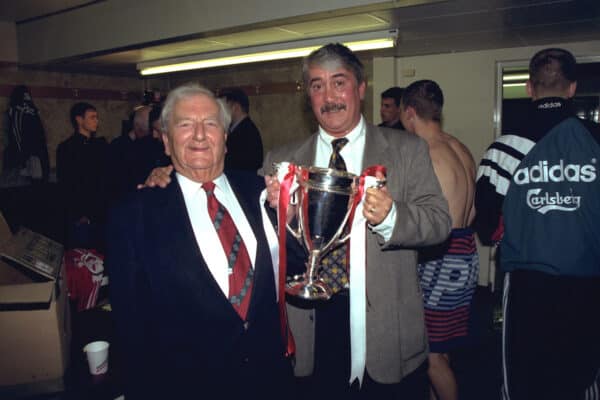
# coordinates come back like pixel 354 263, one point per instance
pixel 370 171
pixel 284 201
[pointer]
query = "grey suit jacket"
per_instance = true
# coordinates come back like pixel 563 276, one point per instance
pixel 396 336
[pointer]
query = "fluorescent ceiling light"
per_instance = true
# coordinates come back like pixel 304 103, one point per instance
pixel 515 77
pixel 513 84
pixel 277 51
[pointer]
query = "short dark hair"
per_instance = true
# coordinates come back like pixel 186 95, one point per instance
pixel 552 70
pixel 236 95
pixel 79 110
pixel 334 52
pixel 394 92
pixel 426 97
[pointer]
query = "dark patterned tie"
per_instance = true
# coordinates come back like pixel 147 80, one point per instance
pixel 336 161
pixel 334 264
pixel 239 266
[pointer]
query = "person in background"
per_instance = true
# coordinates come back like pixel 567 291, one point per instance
pixel 161 159
pixel 191 278
pixel 120 152
pixel 538 196
pixel 147 151
pixel 390 108
pixel 81 167
pixel 448 272
pixel 244 144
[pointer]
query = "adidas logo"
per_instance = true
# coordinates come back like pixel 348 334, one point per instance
pixel 542 172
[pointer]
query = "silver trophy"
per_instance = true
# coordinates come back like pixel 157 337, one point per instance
pixel 323 204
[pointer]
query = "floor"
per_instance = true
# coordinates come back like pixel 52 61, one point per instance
pixel 478 368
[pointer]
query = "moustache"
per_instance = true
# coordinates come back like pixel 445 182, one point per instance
pixel 329 107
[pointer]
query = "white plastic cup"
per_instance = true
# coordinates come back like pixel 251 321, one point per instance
pixel 97 356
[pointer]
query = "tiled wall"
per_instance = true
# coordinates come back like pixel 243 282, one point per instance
pixel 54 105
pixel 278 104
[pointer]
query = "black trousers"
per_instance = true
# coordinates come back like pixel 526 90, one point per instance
pixel 551 335
pixel 330 379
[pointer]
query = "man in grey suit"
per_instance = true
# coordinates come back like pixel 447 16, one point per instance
pixel 408 213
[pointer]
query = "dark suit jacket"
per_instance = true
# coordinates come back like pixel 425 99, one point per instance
pixel 396 337
pixel 178 330
pixel 244 147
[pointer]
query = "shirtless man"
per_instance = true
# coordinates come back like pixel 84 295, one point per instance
pixel 448 272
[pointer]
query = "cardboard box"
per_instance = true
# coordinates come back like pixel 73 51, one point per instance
pixel 35 329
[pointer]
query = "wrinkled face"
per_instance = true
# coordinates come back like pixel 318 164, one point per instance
pixel 389 111
pixel 196 138
pixel 88 123
pixel 335 97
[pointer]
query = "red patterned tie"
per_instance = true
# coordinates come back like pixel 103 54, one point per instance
pixel 239 267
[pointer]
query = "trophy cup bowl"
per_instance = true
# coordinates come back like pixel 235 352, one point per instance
pixel 324 200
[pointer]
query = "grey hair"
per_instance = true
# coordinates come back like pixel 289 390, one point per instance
pixel 190 90
pixel 333 53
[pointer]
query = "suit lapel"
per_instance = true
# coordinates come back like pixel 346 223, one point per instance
pixel 263 271
pixel 169 222
pixel 306 153
pixel 377 149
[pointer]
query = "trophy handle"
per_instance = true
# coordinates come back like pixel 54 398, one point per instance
pixel 339 238
pixel 295 232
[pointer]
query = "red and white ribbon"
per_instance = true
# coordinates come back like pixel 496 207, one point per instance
pixel 277 244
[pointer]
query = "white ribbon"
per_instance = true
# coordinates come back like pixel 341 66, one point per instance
pixel 358 289
pixel 270 232
pixel 271 240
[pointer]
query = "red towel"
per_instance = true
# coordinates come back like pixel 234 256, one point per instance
pixel 85 270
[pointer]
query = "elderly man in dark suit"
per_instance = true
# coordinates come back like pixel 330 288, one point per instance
pixel 192 280
pixel 410 212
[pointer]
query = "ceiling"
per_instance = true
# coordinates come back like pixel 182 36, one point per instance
pixel 24 10
pixel 425 27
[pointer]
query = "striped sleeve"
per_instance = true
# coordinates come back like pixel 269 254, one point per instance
pixel 493 179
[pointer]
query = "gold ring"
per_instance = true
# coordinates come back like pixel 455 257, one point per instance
pixel 372 209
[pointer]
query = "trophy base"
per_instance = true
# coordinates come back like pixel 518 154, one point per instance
pixel 316 290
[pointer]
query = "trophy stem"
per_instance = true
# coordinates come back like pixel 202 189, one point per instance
pixel 311 271
pixel 310 286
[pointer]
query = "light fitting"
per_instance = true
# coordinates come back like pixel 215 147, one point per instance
pixel 515 84
pixel 515 77
pixel 277 51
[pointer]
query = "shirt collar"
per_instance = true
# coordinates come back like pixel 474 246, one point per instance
pixel 352 136
pixel 190 187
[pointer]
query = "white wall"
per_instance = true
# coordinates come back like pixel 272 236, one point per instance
pixel 468 81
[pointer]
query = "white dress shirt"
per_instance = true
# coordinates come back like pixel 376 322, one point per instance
pixel 353 153
pixel 204 230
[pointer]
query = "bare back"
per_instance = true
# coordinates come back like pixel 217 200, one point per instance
pixel 455 170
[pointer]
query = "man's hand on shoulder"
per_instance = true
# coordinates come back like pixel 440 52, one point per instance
pixel 272 185
pixel 160 177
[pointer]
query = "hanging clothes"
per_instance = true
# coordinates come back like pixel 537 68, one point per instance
pixel 27 150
